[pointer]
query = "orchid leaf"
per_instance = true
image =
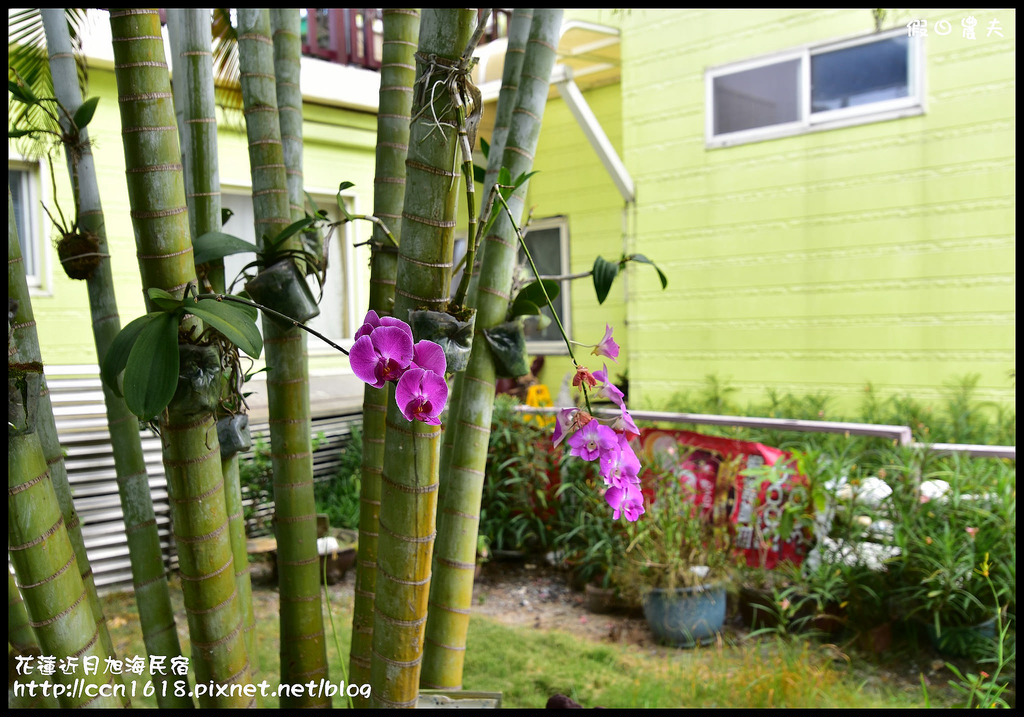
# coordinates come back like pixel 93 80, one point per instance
pixel 532 295
pixel 151 374
pixel 163 299
pixel 84 113
pixel 22 93
pixel 237 325
pixel 644 260
pixel 212 246
pixel 291 230
pixel 341 201
pixel 117 355
pixel 604 274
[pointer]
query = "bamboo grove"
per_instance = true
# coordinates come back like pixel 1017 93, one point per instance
pixel 421 484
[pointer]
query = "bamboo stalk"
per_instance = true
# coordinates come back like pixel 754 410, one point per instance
pixel 303 648
pixel 423 275
pixel 151 590
pixel 397 74
pixel 190 448
pixel 194 102
pixel 518 34
pixel 39 545
pixel 458 517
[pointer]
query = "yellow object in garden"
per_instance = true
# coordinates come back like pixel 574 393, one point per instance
pixel 538 396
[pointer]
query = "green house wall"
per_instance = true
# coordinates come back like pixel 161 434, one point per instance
pixel 880 253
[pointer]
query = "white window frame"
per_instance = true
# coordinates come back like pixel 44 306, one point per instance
pixel 341 241
pixel 39 282
pixel 911 105
pixel 555 347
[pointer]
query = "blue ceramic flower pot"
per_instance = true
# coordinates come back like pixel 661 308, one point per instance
pixel 685 617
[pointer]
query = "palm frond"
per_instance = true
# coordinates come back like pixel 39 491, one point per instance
pixel 227 90
pixel 28 64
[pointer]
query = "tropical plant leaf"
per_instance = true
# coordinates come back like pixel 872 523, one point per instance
pixel 227 89
pixel 151 375
pixel 164 300
pixel 117 355
pixel 237 325
pixel 644 260
pixel 533 295
pixel 604 274
pixel 27 61
pixel 341 200
pixel 289 231
pixel 479 174
pixel 225 215
pixel 521 179
pixel 485 148
pixel 84 113
pixel 217 245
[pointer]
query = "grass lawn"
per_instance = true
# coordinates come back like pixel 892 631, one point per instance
pixel 527 666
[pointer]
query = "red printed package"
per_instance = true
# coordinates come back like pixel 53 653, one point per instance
pixel 713 468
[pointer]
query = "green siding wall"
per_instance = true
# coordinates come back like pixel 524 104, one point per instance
pixel 571 181
pixel 882 252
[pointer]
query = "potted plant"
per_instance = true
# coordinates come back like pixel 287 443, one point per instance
pixel 956 567
pixel 280 280
pixel 678 564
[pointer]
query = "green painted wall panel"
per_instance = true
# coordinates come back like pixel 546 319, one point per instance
pixel 882 251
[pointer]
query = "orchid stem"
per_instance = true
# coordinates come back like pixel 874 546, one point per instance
pixel 558 322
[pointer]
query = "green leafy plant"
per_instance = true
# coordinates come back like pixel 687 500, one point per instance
pixel 338 496
pixel 674 545
pixel 146 350
pixel 605 271
pixel 520 506
pixel 966 519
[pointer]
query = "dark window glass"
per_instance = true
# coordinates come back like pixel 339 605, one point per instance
pixel 859 75
pixel 546 249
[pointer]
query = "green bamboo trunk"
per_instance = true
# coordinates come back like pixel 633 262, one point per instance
pixel 286 32
pixel 149 580
pixel 191 40
pixel 397 73
pixel 22 640
pixel 423 276
pixel 518 34
pixel 303 649
pixel 190 448
pixel 54 455
pixel 451 592
pixel 38 542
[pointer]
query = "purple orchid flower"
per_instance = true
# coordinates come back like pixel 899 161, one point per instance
pixel 382 355
pixel 421 395
pixel 372 321
pixel 607 346
pixel 566 421
pixel 622 467
pixel 628 500
pixel 607 389
pixel 593 441
pixel 624 424
pixel 430 356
